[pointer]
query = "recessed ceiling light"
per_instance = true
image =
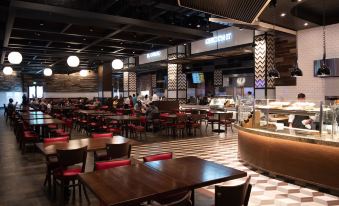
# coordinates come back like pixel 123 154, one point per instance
pixel 84 39
pixel 91 29
pixel 283 14
pixel 121 43
pixel 133 52
pixel 102 49
pixel 198 26
pixel 299 0
pixel 42 24
pixel 305 24
pixel 189 24
pixel 68 46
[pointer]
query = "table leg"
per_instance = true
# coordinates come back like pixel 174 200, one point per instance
pixel 192 197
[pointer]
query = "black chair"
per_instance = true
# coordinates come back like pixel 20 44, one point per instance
pixel 66 175
pixel 116 151
pixel 235 195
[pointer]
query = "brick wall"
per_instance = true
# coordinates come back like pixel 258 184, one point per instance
pixel 64 83
pixel 309 44
pixel 10 83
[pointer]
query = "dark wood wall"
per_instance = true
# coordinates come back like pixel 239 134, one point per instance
pixel 10 83
pixel 63 82
pixel 286 55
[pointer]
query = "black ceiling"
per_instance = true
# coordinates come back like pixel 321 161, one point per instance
pixel 47 31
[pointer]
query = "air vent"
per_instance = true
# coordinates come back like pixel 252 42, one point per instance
pixel 241 10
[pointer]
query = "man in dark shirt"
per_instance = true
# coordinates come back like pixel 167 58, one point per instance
pixel 10 107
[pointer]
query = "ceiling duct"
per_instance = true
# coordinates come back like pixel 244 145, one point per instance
pixel 241 10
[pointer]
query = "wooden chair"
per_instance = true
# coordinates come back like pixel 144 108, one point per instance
pixel 226 119
pixel 181 124
pixel 235 195
pixel 111 164
pixel 66 175
pixel 156 157
pixel 195 123
pixel 211 120
pixel 116 151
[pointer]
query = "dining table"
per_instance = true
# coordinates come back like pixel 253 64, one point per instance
pixel 219 113
pixel 36 116
pixel 41 124
pixel 93 144
pixel 144 182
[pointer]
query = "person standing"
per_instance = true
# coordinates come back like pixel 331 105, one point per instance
pixel 135 99
pixel 300 121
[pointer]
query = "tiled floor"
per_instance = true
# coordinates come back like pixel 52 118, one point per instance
pixel 21 176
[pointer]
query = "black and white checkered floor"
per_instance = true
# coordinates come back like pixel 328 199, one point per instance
pixel 224 150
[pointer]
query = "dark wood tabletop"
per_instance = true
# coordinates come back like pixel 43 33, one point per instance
pixel 129 185
pixel 92 144
pixel 88 112
pixel 32 113
pixel 196 172
pixel 137 184
pixel 36 116
pixel 43 122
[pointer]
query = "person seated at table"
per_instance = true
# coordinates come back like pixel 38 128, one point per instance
pixel 151 109
pixel 138 107
pixel 155 97
pixel 130 101
pixel 146 100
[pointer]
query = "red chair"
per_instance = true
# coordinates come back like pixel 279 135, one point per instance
pixel 66 175
pixel 52 161
pixel 66 131
pixel 111 164
pixel 156 157
pixel 102 135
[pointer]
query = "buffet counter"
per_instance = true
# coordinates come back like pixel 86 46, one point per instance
pixel 300 155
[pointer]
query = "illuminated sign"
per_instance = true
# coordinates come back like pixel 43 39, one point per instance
pixel 153 54
pixel 220 38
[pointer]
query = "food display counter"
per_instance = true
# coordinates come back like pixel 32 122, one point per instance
pixel 309 155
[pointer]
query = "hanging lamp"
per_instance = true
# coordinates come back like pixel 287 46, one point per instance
pixel 324 70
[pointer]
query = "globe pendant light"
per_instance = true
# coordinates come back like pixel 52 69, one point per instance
pixel 15 57
pixel 84 72
pixel 117 64
pixel 7 70
pixel 73 61
pixel 296 71
pixel 324 71
pixel 48 72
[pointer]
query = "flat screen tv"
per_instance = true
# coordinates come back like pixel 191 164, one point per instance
pixel 198 78
pixel 333 65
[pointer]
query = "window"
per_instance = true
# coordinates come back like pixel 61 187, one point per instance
pixel 36 91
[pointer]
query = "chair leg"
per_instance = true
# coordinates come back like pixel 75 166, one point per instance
pixel 85 192
pixel 73 186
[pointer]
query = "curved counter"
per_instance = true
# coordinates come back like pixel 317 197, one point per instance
pixel 310 160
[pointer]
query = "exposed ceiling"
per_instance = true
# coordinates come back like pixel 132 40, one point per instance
pixel 46 32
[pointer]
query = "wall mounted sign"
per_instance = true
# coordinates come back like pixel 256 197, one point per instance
pixel 219 38
pixel 153 54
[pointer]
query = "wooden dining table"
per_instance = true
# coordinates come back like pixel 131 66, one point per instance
pixel 123 120
pixel 143 182
pixel 36 116
pixel 93 144
pixel 41 124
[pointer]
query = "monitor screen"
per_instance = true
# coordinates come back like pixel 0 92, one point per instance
pixel 198 78
pixel 333 65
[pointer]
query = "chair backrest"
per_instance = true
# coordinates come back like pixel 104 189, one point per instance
pixel 111 164
pixel 115 151
pixel 156 157
pixel 101 135
pixel 197 117
pixel 56 139
pixel 233 195
pixel 69 157
pixel 181 118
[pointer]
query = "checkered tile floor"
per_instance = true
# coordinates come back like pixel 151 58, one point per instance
pixel 223 150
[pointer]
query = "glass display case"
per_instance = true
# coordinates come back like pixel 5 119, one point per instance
pixel 302 119
pixel 221 103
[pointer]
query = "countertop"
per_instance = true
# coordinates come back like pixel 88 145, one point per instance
pixel 292 134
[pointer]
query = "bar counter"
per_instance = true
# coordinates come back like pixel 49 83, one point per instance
pixel 308 158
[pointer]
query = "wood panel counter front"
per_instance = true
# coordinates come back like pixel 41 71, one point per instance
pixel 313 163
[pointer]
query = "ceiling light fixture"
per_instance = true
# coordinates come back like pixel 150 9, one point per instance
pixel 305 24
pixel 15 57
pixel 324 71
pixel 84 72
pixel 296 71
pixel 73 61
pixel 198 26
pixel 117 64
pixel 283 14
pixel 274 73
pixel 7 70
pixel 48 72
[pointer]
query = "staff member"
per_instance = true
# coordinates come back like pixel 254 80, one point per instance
pixel 300 121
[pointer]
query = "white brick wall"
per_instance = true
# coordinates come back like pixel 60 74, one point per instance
pixel 310 48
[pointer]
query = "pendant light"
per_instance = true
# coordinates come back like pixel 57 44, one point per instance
pixel 84 72
pixel 296 71
pixel 324 71
pixel 117 64
pixel 48 72
pixel 273 72
pixel 7 70
pixel 15 57
pixel 73 61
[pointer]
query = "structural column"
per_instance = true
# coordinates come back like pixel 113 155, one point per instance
pixel 129 77
pixel 177 89
pixel 264 61
pixel 105 80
